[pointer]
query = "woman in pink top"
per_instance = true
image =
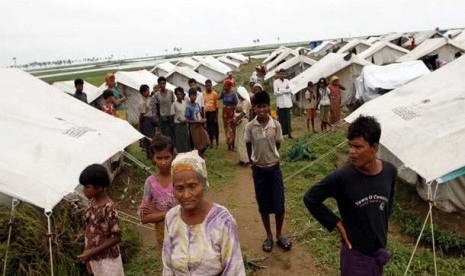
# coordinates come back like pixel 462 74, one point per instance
pixel 159 196
pixel 335 98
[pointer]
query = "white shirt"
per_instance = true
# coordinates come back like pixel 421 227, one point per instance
pixel 324 96
pixel 283 93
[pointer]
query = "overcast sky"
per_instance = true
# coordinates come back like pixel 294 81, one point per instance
pixel 42 30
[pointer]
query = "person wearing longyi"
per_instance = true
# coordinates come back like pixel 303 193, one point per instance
pixel 364 192
pixel 283 93
pixel 200 236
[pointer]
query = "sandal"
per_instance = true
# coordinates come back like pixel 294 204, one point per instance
pixel 267 245
pixel 284 243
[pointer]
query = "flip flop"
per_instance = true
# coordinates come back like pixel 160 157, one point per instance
pixel 267 245
pixel 284 243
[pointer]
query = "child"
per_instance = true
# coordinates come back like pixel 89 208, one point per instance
pixel 181 131
pixel 263 137
pixel 159 196
pixel 102 234
pixel 311 97
pixel 196 121
pixel 146 124
pixel 324 102
pixel 108 105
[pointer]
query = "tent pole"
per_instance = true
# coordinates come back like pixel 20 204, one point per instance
pixel 49 234
pixel 14 203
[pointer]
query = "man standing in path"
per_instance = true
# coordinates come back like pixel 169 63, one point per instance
pixel 283 94
pixel 164 98
pixel 364 191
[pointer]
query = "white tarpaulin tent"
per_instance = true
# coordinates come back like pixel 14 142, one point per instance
pixel 332 64
pixel 383 52
pixel 212 69
pixel 162 69
pixel 68 87
pixel 281 58
pixel 423 127
pixel 274 54
pixel 388 77
pixel 188 62
pixel 355 44
pixel 237 57
pixel 395 38
pixel 179 76
pixel 293 66
pixel 48 138
pixel 233 65
pixel 443 47
pixel 460 39
pixel 453 33
pixel 322 49
pixel 421 37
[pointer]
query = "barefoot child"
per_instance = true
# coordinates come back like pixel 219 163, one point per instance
pixel 263 137
pixel 311 97
pixel 196 121
pixel 102 233
pixel 158 196
pixel 324 101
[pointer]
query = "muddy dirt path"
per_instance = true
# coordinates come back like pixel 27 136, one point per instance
pixel 239 198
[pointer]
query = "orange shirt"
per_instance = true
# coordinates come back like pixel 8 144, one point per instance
pixel 211 101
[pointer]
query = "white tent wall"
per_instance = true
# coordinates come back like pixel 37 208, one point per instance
pixel 293 66
pixel 180 79
pixel 281 58
pixel 460 39
pixel 68 87
pixel 443 47
pixel 162 69
pixel 133 99
pixel 385 56
pixel 187 62
pixel 355 44
pixel 210 73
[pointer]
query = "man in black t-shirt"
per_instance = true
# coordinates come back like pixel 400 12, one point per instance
pixel 364 192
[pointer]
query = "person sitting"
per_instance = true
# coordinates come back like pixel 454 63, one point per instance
pixel 200 236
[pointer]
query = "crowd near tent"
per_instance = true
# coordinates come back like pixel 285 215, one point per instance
pixel 281 58
pixel 355 46
pixel 376 80
pixel 68 87
pixel 346 67
pixel 188 62
pixel 293 67
pixel 180 76
pixel 68 136
pixel 129 84
pixel 212 69
pixel 383 52
pixel 233 65
pixel 434 51
pixel 422 126
pixel 162 69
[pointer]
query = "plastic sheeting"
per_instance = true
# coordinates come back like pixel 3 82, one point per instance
pixel 48 138
pixel 388 77
pixel 423 123
pixel 382 53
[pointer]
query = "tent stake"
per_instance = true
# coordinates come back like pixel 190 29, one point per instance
pixel 14 203
pixel 49 234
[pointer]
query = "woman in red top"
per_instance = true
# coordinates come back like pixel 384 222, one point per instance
pixel 335 98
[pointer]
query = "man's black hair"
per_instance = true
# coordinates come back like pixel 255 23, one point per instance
pixel 261 97
pixel 192 91
pixel 95 175
pixel 208 81
pixel 310 83
pixel 143 88
pixel 107 94
pixel 78 82
pixel 178 89
pixel 160 79
pixel 192 80
pixel 366 127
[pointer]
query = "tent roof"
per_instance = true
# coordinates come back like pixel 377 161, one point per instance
pixel 373 39
pixel 460 39
pixel 226 60
pixel 189 73
pixel 68 135
pixel 393 36
pixel 453 32
pixel 288 64
pixel 379 46
pixel 428 46
pixel 287 52
pixel 353 43
pixel 423 123
pixel 165 66
pixel 214 64
pixel 325 67
pixel 192 63
pixel 421 37
pixel 68 87
pixel 322 46
pixel 237 56
pixel 135 79
pixel 274 54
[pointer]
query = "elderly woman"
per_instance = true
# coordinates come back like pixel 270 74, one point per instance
pixel 230 100
pixel 335 99
pixel 200 236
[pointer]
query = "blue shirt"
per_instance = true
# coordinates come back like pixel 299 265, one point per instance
pixel 229 99
pixel 193 112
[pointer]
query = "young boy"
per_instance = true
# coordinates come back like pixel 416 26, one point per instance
pixel 79 94
pixel 311 97
pixel 196 121
pixel 181 131
pixel 263 137
pixel 108 105
pixel 102 232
